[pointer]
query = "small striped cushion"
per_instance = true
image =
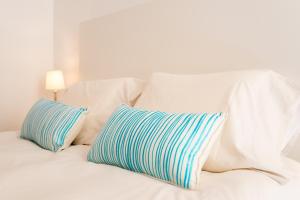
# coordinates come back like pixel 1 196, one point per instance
pixel 52 125
pixel 171 147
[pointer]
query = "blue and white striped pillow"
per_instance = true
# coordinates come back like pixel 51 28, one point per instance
pixel 171 147
pixel 52 125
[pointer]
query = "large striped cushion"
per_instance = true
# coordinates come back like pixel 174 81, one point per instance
pixel 171 147
pixel 52 125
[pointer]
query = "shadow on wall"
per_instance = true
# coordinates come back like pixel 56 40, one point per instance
pixel 192 36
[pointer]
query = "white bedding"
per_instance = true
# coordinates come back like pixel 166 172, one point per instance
pixel 29 172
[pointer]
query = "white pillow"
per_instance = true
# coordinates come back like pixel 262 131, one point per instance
pixel 101 97
pixel 292 150
pixel 261 107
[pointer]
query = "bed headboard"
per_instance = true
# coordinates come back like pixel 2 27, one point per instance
pixel 189 36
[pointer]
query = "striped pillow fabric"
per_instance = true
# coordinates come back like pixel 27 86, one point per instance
pixel 170 147
pixel 52 125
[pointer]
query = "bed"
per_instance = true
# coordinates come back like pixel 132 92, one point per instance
pixel 30 172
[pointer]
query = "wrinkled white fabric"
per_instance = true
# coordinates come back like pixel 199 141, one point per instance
pixel 292 150
pixel 28 172
pixel 262 107
pixel 101 97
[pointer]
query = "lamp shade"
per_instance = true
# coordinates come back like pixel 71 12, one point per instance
pixel 55 80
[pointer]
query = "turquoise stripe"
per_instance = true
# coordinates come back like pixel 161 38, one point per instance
pixel 165 146
pixel 172 142
pixel 162 142
pixel 187 144
pixel 48 123
pixel 199 143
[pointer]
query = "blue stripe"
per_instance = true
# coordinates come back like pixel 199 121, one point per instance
pixel 48 123
pixel 165 146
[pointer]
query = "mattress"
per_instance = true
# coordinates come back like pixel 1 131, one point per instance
pixel 30 172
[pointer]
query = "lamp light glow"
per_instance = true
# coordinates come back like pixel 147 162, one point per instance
pixel 55 81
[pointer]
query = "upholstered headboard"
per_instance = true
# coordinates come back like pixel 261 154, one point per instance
pixel 189 36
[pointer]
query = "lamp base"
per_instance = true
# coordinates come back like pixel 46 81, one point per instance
pixel 55 95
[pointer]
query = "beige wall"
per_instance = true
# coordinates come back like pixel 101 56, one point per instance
pixel 68 14
pixel 28 31
pixel 136 37
pixel 192 36
pixel 25 56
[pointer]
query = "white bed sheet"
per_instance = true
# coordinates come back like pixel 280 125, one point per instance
pixel 29 172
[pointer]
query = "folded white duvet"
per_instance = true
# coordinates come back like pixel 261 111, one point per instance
pixel 263 108
pixel 28 172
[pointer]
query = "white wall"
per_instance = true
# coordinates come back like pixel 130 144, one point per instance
pixel 25 56
pixel 68 14
pixel 180 36
pixel 193 36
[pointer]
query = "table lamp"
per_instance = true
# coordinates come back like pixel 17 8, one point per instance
pixel 55 82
